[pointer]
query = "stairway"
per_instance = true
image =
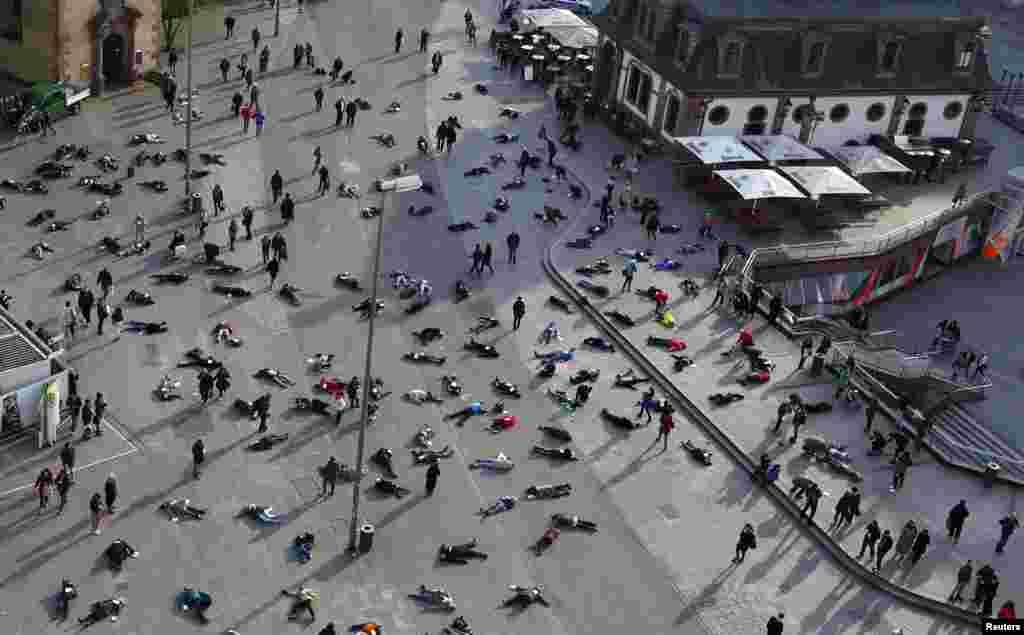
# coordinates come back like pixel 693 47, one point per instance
pixel 958 438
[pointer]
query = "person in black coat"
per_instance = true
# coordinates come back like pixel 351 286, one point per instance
pixel 955 520
pixel 205 386
pixel 433 472
pixel 86 300
pixel 273 268
pixel 276 185
pixel 288 208
pixel 747 541
pixel 198 456
pixel 776 624
pixel 110 492
pixel 513 246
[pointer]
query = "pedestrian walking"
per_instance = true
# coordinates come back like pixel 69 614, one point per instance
pixel 776 624
pixel 205 386
pixel 513 246
pixel 963 580
pixel 287 210
pixel 352 392
pixel 70 322
pixel 982 367
pixel 86 300
pixel 450 138
pixel 339 112
pixel 63 484
pixel 721 292
pixel 785 408
pixel 297 54
pixel 478 258
pixel 906 540
pixel 102 313
pixel 518 311
pixel 433 472
pixel 665 427
pixel 325 180
pixel 265 248
pixel 628 271
pixel 308 50
pixel 87 414
pixel 441 135
pixel 1007 526
pixel 247 218
pixel 871 535
pixel 264 422
pixel 96 512
pixel 74 404
pixel 106 280
pixel 810 508
pixel 236 104
pixel 260 119
pixel 172 59
pixel 746 542
pixel 869 415
pixel 198 456
pixel 276 185
pixel 229 27
pixel 318 98
pixel 799 419
pixel 844 511
pixel 487 258
pixel 222 381
pixel 399 36
pixel 350 114
pixel 552 151
pixel 99 408
pixel 255 38
pixel 424 39
pixel 247 113
pixel 279 247
pixel 885 544
pixel 264 59
pixel 110 493
pixel 329 475
pixel 955 520
pixel 901 464
pixel 225 68
pixel 336 67
pixel 960 195
pixel 67 460
pixel 232 234
pixel 42 486
pixel 273 268
pixel 652 226
pixel 920 546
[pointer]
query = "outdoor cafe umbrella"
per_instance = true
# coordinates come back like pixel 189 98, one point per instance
pixel 755 184
pixel 866 160
pixel 780 147
pixel 822 180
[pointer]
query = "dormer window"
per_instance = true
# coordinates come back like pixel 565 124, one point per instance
pixel 731 58
pixel 815 58
pixel 891 56
pixel 966 57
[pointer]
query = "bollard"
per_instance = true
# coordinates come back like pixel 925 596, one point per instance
pixel 366 538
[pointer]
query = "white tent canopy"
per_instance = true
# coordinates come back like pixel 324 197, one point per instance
pixel 717 149
pixel 759 183
pixel 823 180
pixel 565 26
pixel 780 147
pixel 867 160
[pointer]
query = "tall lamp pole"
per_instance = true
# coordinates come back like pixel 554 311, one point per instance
pixel 188 108
pixel 277 18
pixel 402 184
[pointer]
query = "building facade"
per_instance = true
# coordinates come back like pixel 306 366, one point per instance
pixel 33 384
pixel 72 39
pixel 677 73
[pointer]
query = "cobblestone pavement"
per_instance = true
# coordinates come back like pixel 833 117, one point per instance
pixel 653 562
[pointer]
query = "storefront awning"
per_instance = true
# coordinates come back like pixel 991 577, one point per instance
pixel 780 147
pixel 757 184
pixel 565 26
pixel 866 160
pixel 824 180
pixel 714 150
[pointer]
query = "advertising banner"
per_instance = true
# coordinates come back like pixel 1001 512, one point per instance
pixel 1005 218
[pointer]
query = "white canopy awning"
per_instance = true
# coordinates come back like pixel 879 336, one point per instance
pixel 721 149
pixel 759 183
pixel 565 26
pixel 780 147
pixel 867 160
pixel 823 180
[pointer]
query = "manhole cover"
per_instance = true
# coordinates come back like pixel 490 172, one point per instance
pixel 670 512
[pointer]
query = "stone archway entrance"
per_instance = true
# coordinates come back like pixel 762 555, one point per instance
pixel 605 73
pixel 114 53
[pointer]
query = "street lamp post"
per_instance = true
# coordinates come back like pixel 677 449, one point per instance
pixel 403 184
pixel 277 18
pixel 188 108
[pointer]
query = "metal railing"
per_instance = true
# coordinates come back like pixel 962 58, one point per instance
pixel 829 250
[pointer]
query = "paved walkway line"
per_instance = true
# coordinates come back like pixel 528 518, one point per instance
pixel 134 450
pixel 838 554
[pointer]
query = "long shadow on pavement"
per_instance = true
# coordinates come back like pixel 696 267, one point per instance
pixel 42 559
pixel 634 466
pixel 707 597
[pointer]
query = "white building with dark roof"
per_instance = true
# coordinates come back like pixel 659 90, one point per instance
pixel 676 73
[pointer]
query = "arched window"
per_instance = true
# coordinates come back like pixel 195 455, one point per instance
pixel 672 114
pixel 815 58
pixel 839 113
pixel 875 112
pixel 731 62
pixel 718 115
pixel 891 56
pixel 757 114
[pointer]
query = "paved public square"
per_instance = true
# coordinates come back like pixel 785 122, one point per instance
pixel 668 527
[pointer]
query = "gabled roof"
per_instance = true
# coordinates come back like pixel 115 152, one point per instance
pixel 773 56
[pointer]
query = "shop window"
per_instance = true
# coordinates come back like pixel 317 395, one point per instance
pixel 757 114
pixel 953 110
pixel 799 112
pixel 718 115
pixel 672 114
pixel 731 59
pixel 10 20
pixel 839 113
pixel 875 112
pixel 815 58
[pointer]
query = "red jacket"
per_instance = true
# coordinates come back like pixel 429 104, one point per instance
pixel 666 423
